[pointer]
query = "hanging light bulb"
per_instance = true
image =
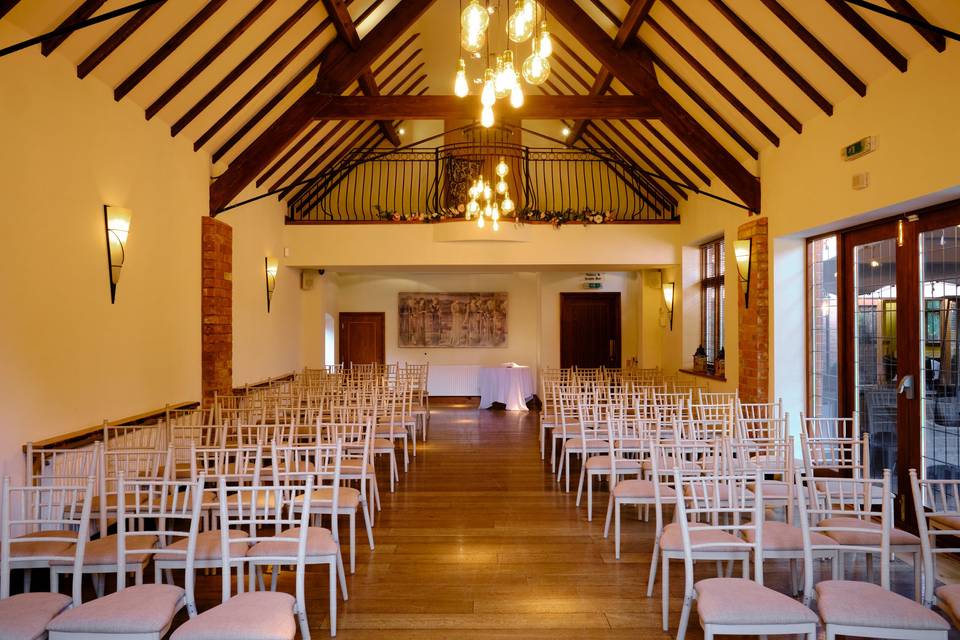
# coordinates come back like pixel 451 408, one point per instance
pixel 500 80
pixel 460 86
pixel 536 69
pixel 507 204
pixel 509 71
pixel 546 44
pixel 486 117
pixel 502 187
pixel 472 41
pixel 502 168
pixel 487 194
pixel 516 96
pixel 494 212
pixel 529 9
pixel 480 222
pixel 472 207
pixel 488 96
pixel 520 25
pixel 474 17
pixel 496 226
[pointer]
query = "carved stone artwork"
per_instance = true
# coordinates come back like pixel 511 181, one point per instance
pixel 453 320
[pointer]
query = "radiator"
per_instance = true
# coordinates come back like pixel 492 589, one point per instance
pixel 454 380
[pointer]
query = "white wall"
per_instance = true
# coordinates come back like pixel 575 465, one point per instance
pixel 68 358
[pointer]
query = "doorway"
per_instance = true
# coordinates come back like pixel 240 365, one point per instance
pixel 362 338
pixel 590 330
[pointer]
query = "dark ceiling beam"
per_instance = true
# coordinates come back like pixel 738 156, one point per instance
pixel 184 79
pixel 6 6
pixel 626 31
pixel 234 74
pixel 827 56
pixel 450 107
pixel 340 66
pixel 347 31
pixel 936 40
pixel 636 133
pixel 773 56
pixel 117 38
pixel 81 13
pixel 715 82
pixel 628 66
pixel 752 83
pixel 870 34
pixel 295 148
pixel 166 49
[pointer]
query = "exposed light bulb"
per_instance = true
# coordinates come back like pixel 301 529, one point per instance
pixel 509 71
pixel 486 117
pixel 496 226
pixel 480 222
pixel 536 69
pixel 546 43
pixel 507 204
pixel 501 187
pixel 565 132
pixel 487 194
pixel 519 26
pixel 474 17
pixel 516 96
pixel 529 9
pixel 500 83
pixel 502 168
pixel 473 41
pixel 460 86
pixel 489 94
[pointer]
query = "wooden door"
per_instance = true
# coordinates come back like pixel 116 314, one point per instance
pixel 590 330
pixel 361 338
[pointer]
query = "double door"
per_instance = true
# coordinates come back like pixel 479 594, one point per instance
pixel 898 356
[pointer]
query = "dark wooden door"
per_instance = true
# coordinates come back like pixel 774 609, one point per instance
pixel 361 338
pixel 590 330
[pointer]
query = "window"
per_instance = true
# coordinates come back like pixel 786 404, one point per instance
pixel 711 298
pixel 823 388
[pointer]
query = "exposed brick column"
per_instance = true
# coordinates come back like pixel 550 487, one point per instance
pixel 754 322
pixel 216 307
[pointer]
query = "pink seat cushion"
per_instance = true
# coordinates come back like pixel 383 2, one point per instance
pixel 741 601
pixel 38 548
pixel 103 551
pixel 641 489
pixel 780 536
pixel 261 615
pixel 25 616
pixel 146 608
pixel 870 533
pixel 863 604
pixel 773 489
pixel 208 547
pixel 945 522
pixel 320 542
pixel 950 601
pixel 719 540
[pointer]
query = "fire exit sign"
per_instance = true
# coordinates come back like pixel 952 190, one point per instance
pixel 859 148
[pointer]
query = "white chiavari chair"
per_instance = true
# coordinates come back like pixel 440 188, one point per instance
pixel 591 438
pixel 937 508
pixel 613 463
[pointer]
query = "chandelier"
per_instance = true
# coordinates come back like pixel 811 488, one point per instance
pixel 500 78
pixel 488 201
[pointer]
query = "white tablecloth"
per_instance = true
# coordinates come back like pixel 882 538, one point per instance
pixel 511 386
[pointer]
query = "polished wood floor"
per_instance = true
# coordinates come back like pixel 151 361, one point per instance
pixel 479 542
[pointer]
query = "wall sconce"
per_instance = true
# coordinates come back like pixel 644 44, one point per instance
pixel 743 251
pixel 668 292
pixel 270 268
pixel 116 223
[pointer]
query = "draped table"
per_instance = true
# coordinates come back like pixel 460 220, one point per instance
pixel 511 386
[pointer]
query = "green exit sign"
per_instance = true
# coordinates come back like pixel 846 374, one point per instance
pixel 859 148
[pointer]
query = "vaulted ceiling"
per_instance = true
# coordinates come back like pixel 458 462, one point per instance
pixel 715 82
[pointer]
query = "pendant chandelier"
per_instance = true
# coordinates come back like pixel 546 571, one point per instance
pixel 501 77
pixel 488 201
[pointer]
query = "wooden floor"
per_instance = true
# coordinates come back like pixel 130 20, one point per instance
pixel 480 542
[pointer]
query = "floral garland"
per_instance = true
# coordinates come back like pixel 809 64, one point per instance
pixel 555 218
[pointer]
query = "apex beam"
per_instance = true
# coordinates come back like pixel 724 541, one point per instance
pixel 441 107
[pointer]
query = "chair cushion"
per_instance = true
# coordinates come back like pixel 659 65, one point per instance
pixel 592 443
pixel 772 489
pixel 25 616
pixel 742 601
pixel 870 535
pixel 38 548
pixel 672 539
pixel 723 492
pixel 104 550
pixel 320 542
pixel 950 601
pixel 349 498
pixel 863 604
pixel 945 522
pixel 781 536
pixel 641 489
pixel 208 547
pixel 145 608
pixel 260 615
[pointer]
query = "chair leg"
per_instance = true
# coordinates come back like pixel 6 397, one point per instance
pixel 393 471
pixel 413 437
pixel 368 523
pixel 583 471
pixel 333 599
pixel 559 469
pixel 353 542
pixel 27 579
pixel 665 593
pixel 616 531
pixel 606 522
pixel 589 497
pixel 652 578
pixel 685 615
pixel 917 592
pixel 343 577
pixel 98 584
pixel 543 444
pixel 406 455
pixel 566 471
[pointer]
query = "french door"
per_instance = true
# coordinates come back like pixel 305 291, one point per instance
pixel 900 287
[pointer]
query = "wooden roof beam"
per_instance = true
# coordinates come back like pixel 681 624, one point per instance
pixel 628 66
pixel 827 56
pixel 117 38
pixel 936 40
pixel 81 13
pixel 734 66
pixel 773 56
pixel 870 34
pixel 340 66
pixel 6 6
pixel 166 49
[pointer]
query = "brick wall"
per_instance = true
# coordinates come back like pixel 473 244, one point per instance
pixel 754 322
pixel 216 307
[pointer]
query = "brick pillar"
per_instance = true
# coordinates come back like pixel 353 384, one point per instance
pixel 216 307
pixel 754 322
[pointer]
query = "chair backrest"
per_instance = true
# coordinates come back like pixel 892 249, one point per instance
pixel 262 513
pixel 144 464
pixel 69 467
pixel 712 421
pixel 45 514
pixel 830 428
pixel 321 463
pixel 937 509
pixel 149 509
pixel 134 436
pixel 843 457
pixel 718 397
pixel 836 507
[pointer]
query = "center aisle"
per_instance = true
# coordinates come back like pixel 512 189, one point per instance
pixel 478 542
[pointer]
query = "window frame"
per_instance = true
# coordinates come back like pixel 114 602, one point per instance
pixel 717 283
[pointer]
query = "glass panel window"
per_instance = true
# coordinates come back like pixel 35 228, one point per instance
pixel 711 299
pixel 823 385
